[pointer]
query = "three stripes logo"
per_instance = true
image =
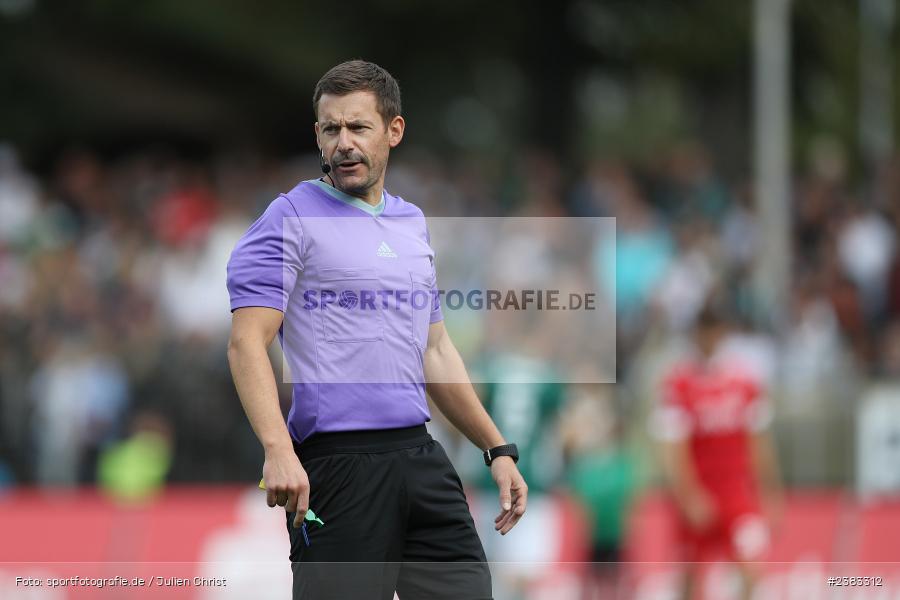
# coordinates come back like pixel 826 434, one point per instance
pixel 384 251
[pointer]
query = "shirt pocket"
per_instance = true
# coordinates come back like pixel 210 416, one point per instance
pixel 347 316
pixel 420 300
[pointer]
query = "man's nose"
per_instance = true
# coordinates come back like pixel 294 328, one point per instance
pixel 345 143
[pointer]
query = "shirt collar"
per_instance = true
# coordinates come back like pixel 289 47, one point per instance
pixel 351 200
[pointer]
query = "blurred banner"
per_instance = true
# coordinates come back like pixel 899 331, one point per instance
pixel 223 542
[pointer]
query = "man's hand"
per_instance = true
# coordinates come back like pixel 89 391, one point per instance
pixel 513 493
pixel 286 483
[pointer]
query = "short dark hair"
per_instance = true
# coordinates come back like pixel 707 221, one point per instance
pixel 358 76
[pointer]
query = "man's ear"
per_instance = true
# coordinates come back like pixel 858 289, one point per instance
pixel 316 130
pixel 395 130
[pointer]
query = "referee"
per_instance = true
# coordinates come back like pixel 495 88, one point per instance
pixel 338 268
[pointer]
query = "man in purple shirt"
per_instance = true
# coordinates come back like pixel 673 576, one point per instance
pixel 344 273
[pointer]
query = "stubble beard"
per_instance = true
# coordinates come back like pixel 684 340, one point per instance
pixel 362 189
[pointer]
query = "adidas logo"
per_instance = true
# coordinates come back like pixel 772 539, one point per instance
pixel 384 251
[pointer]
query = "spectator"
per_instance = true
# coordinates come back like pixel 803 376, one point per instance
pixel 602 474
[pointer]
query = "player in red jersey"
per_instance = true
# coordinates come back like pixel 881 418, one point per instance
pixel 718 456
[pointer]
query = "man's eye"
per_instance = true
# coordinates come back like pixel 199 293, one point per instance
pixel 330 129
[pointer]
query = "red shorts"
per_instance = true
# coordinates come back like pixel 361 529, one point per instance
pixel 738 532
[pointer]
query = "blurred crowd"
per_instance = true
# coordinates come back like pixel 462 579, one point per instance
pixel 113 308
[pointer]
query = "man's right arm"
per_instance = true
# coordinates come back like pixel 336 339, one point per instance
pixel 693 500
pixel 671 426
pixel 252 331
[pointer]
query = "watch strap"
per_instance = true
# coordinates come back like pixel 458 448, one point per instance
pixel 505 450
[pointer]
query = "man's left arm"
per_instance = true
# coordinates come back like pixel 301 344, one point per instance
pixel 447 382
pixel 764 459
pixel 765 464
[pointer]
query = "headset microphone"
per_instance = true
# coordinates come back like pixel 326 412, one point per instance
pixel 326 168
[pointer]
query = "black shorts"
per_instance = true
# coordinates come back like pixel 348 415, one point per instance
pixel 396 519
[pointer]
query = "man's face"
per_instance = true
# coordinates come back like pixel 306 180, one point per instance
pixel 708 338
pixel 355 140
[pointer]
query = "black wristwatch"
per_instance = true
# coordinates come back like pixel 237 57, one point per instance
pixel 509 450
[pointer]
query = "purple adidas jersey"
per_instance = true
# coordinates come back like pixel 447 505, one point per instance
pixel 357 287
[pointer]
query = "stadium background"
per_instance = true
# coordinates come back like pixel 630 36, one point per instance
pixel 137 142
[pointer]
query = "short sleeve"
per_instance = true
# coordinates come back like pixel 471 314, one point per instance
pixel 758 413
pixel 436 312
pixel 266 261
pixel 671 421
